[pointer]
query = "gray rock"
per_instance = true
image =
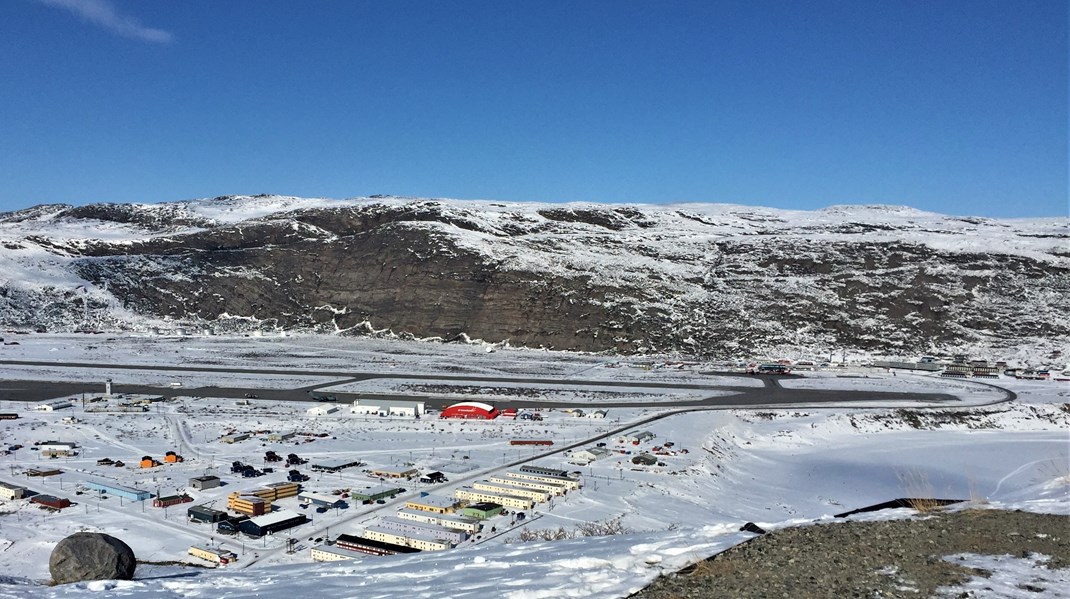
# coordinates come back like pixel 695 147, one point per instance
pixel 91 556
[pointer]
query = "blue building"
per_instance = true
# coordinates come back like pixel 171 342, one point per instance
pixel 118 490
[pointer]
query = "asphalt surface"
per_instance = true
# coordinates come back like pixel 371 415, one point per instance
pixel 771 393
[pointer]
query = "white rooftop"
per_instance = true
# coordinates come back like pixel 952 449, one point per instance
pixel 408 535
pixel 318 497
pixel 274 517
pixel 435 501
pixel 433 528
pixel 387 403
pixel 439 517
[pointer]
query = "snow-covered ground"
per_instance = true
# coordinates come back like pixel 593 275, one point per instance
pixel 775 467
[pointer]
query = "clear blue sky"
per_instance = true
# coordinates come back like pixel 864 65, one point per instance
pixel 953 106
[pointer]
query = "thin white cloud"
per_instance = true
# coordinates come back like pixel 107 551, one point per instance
pixel 103 13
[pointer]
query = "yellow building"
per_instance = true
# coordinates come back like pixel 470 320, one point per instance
pixel 436 504
pixel 213 554
pixel 396 473
pixel 327 553
pixel 274 491
pixel 247 503
pixel 533 494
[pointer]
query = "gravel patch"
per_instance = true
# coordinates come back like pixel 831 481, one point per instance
pixel 892 558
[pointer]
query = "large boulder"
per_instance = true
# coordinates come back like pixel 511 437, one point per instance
pixel 91 556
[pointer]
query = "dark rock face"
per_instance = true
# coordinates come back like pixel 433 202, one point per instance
pixel 91 556
pixel 596 278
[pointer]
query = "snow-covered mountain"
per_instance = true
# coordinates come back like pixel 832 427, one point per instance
pixel 706 279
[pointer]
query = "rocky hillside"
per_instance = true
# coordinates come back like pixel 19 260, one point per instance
pixel 714 280
pixel 967 553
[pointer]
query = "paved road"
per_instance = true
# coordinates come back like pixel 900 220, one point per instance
pixel 721 396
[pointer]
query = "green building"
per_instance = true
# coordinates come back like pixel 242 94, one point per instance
pixel 482 510
pixel 375 493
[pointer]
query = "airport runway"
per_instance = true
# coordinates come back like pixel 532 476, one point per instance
pixel 770 394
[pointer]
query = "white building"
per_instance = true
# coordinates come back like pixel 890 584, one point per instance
pixel 57 448
pixel 384 407
pixel 52 406
pixel 637 437
pixel 570 483
pixel 421 542
pixel 469 525
pixel 9 491
pixel 319 499
pixel 554 488
pixel 597 414
pixel 322 410
pixel 584 457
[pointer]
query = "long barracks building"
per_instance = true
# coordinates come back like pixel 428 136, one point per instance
pixel 533 494
pixel 570 483
pixel 510 501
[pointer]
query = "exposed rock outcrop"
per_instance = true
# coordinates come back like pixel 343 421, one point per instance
pixel 91 556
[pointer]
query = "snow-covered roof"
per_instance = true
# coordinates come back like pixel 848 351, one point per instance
pixel 318 497
pixel 435 501
pixel 387 403
pixel 438 517
pixel 473 404
pixel 274 517
pixel 380 489
pixel 408 535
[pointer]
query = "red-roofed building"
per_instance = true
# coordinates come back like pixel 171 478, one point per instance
pixel 471 410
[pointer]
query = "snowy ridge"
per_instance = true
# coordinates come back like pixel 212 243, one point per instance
pixel 631 278
pixel 1035 237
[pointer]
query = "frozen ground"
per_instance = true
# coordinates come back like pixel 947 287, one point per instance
pixel 773 467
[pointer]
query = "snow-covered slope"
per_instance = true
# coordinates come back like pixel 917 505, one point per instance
pixel 697 278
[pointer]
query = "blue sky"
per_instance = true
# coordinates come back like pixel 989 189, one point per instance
pixel 952 106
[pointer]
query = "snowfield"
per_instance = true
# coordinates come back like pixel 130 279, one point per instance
pixel 725 467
